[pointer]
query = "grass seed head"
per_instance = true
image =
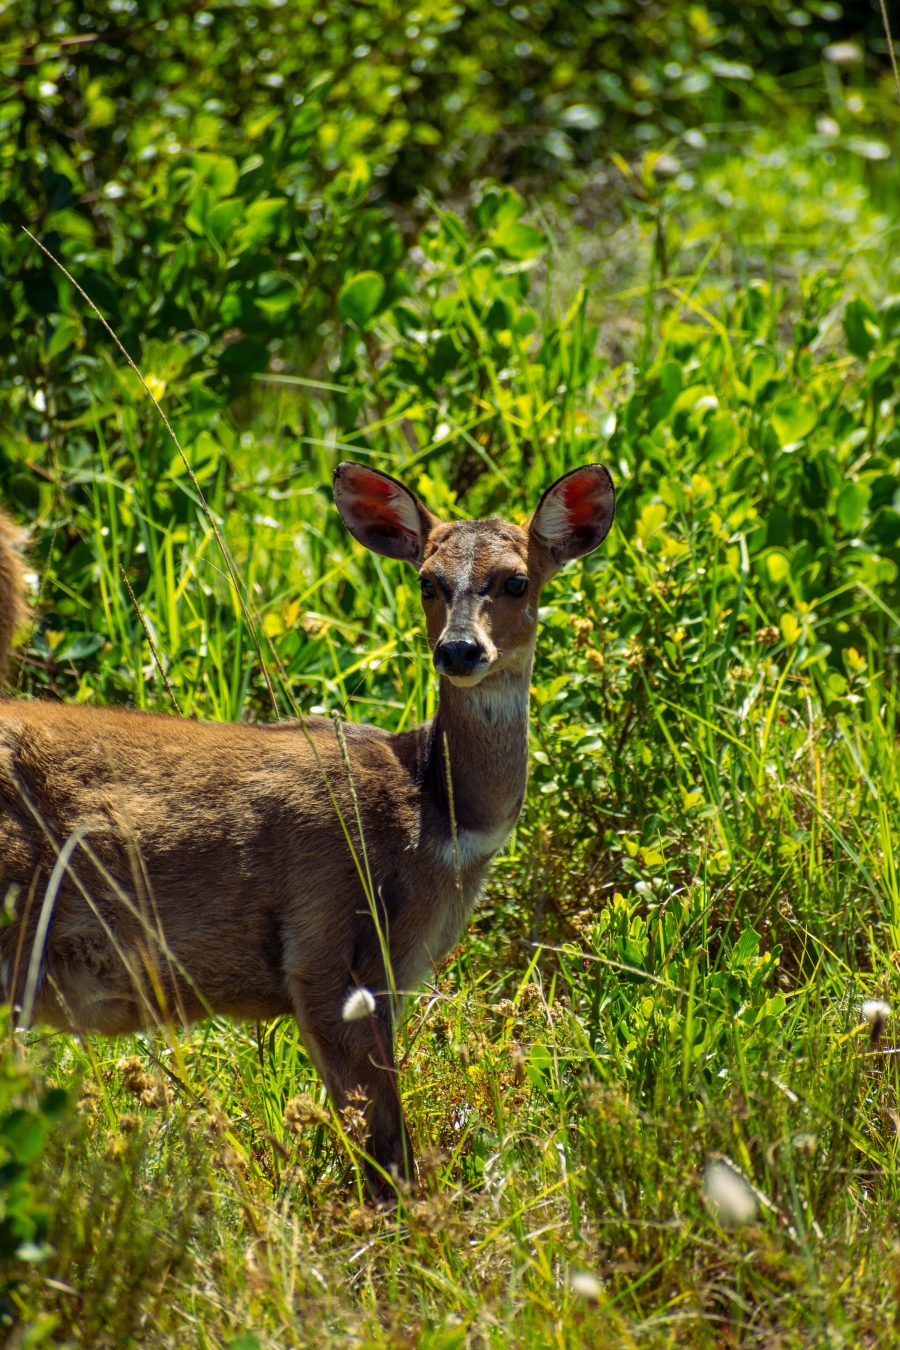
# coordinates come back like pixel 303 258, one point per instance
pixel 358 1004
pixel 730 1198
pixel 149 1091
pixel 586 1286
pixel 874 1010
pixel 302 1111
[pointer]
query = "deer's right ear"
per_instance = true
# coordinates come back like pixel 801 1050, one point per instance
pixel 381 513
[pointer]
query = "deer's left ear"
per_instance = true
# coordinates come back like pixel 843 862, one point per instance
pixel 575 514
pixel 381 513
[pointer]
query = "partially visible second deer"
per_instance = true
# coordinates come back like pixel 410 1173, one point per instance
pixel 165 869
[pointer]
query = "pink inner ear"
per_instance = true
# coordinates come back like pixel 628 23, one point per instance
pixel 378 513
pixel 579 496
pixel 377 501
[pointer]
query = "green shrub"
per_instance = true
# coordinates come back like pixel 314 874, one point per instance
pixel 29 1111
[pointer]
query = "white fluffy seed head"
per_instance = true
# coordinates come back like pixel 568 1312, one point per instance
pixel 586 1286
pixel 874 1010
pixel 358 1003
pixel 730 1198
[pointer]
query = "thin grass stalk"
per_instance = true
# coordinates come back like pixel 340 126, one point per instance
pixel 369 886
pixel 151 643
pixel 890 46
pixel 229 562
pixel 40 935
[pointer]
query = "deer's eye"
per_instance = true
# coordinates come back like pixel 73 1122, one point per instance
pixel 428 591
pixel 516 586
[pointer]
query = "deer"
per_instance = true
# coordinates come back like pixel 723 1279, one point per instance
pixel 164 869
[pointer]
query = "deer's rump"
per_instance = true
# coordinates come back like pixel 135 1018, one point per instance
pixel 210 861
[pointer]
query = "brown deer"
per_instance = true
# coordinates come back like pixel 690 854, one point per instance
pixel 165 869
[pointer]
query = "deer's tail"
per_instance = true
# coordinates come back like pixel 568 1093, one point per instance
pixel 13 609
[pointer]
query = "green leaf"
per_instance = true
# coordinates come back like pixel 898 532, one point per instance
pixel 851 504
pixel 360 297
pixel 861 327
pixel 81 646
pixel 24 1134
pixel 746 947
pixel 793 418
pixel 652 519
pixel 777 566
pixel 219 172
pixel 453 228
pixel 881 373
pixel 71 225
pixel 518 241
pixel 260 219
pixel 790 629
pixel 540 1065
pixel 277 292
pixel 721 436
pixel 223 216
pixel 195 216
pixel 510 207
pixel 65 332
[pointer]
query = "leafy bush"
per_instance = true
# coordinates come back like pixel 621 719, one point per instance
pixel 28 1114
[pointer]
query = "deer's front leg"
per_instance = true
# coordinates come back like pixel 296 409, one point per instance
pixel 357 1056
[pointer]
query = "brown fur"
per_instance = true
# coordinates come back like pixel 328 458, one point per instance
pixel 215 874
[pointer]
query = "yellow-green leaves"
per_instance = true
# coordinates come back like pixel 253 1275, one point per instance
pixel 259 220
pixel 359 298
pixel 790 629
pixel 517 240
pixel 778 566
pixel 861 327
pixel 100 109
pixel 852 502
pixel 498 215
pixel 792 418
pixel 651 521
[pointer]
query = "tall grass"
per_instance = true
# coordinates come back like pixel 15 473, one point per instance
pixel 669 964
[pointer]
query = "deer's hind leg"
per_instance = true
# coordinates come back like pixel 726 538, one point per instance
pixel 352 1056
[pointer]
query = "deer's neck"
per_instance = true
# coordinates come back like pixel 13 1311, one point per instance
pixel 485 732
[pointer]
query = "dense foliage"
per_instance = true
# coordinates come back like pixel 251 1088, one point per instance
pixel 689 274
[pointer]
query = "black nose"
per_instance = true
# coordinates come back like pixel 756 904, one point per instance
pixel 458 658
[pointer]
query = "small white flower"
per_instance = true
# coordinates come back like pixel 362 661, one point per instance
pixel 359 1003
pixel 874 1010
pixel 730 1198
pixel 843 53
pixel 587 1286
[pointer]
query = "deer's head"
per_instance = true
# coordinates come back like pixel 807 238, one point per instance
pixel 481 579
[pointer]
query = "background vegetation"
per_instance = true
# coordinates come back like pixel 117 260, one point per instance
pixel 477 245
